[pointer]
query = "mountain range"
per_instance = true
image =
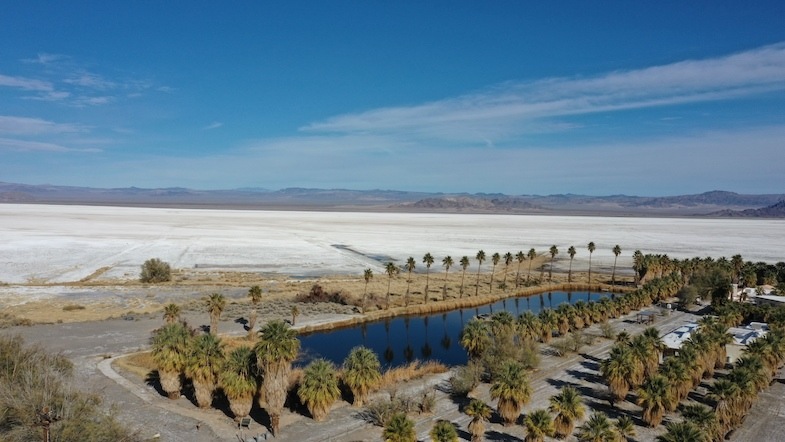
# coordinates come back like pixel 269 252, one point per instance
pixel 715 203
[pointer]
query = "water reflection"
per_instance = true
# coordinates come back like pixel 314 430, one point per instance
pixel 394 339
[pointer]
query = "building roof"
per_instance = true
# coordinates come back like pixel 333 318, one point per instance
pixel 675 339
pixel 745 335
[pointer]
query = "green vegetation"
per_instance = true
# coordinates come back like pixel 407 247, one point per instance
pixel 154 270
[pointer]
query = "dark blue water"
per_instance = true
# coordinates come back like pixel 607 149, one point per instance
pixel 404 339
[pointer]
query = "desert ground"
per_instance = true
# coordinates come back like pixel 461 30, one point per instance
pixel 74 270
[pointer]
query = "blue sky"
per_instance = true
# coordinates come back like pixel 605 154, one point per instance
pixel 598 98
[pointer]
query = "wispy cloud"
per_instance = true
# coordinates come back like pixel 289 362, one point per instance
pixel 44 58
pixel 90 80
pixel 10 144
pixel 36 126
pixel 27 84
pixel 213 125
pixel 520 107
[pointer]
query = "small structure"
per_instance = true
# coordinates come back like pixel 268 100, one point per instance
pixel 674 339
pixel 646 317
pixel 742 337
pixel 773 300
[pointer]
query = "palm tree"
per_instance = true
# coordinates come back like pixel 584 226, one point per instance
pixel 616 253
pixel 597 429
pixel 553 251
pixel 654 397
pixel 361 373
pixel 409 266
pixel 475 338
pixel 447 262
pixel 319 388
pixel 520 257
pixel 511 389
pixel 367 276
pixel 737 263
pixel 637 265
pixel 538 424
pixel 495 258
pixel 625 427
pixel 531 255
pixel 399 429
pixel 704 418
pixel 295 312
pixel 619 369
pixel 480 258
pixel 724 393
pixel 549 320
pixel 464 265
pixel 278 346
pixel 215 306
pixel 569 408
pixel 171 313
pixel 255 294
pixel 591 248
pixel 444 431
pixel 391 269
pixel 428 261
pixel 571 251
pixel 684 431
pixel 238 380
pixel 480 412
pixel 205 361
pixel 507 261
pixel 170 345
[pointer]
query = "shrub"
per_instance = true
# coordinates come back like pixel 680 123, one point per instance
pixel 319 294
pixel 607 330
pixel 465 379
pixel 72 307
pixel 154 270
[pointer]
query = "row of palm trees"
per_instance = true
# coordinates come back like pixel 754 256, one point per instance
pixel 262 371
pixel 447 262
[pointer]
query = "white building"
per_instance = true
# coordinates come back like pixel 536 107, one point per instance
pixel 742 337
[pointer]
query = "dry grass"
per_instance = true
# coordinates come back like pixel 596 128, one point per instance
pixel 411 371
pixel 140 364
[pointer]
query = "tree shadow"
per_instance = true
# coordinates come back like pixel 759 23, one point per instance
pixel 260 415
pixel 463 434
pixel 242 321
pixel 153 379
pixel 495 435
pixel 591 358
pixel 586 376
pixel 584 390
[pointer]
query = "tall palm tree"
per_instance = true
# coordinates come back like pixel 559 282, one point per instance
pixel 171 313
pixel 511 389
pixel 737 263
pixel 520 257
pixel 170 346
pixel 391 269
pixel 475 338
pixel 464 265
pixel 399 429
pixel 319 388
pixel 428 261
pixel 409 266
pixel 367 276
pixel 205 361
pixel 549 320
pixel 553 251
pixel 704 418
pixel 538 424
pixel 568 406
pixel 591 248
pixel 277 347
pixel 495 258
pixel 444 431
pixel 215 304
pixel 616 253
pixel 507 261
pixel 571 251
pixel 255 295
pixel 238 380
pixel 637 265
pixel 597 429
pixel 684 431
pixel 361 373
pixel 654 397
pixel 480 258
pixel 725 394
pixel 447 262
pixel 531 255
pixel 480 413
pixel 619 369
pixel 295 311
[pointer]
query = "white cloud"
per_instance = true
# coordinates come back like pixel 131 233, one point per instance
pixel 515 107
pixel 90 80
pixel 213 125
pixel 36 126
pixel 38 146
pixel 44 58
pixel 28 84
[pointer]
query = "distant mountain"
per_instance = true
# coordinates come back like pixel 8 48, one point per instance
pixel 714 203
pixel 773 211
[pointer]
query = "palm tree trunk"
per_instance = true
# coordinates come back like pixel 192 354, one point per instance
pixel 569 274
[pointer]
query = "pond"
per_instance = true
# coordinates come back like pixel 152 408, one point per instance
pixel 433 337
